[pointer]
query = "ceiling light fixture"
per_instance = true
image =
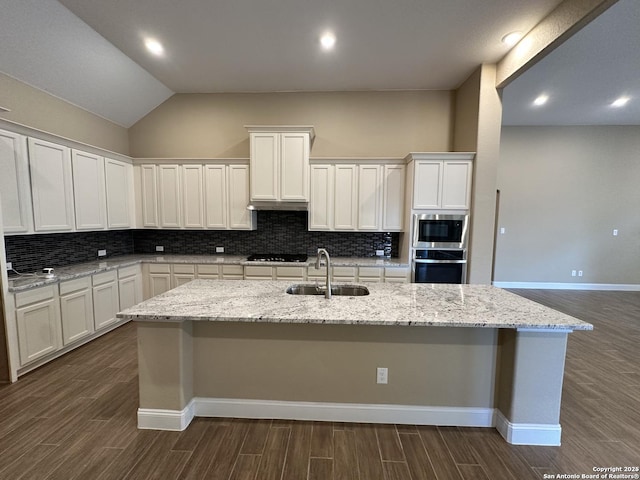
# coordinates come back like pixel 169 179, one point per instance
pixel 541 100
pixel 512 38
pixel 620 102
pixel 328 41
pixel 154 46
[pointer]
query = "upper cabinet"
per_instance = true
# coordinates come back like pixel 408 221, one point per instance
pixel 279 163
pixel 14 183
pixel 363 196
pixel 88 190
pixel 119 188
pixel 51 186
pixel 441 181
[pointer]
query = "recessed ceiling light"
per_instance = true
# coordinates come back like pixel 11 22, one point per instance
pixel 154 46
pixel 620 102
pixel 511 38
pixel 541 100
pixel 328 41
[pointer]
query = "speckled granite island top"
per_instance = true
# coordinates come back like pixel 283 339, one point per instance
pixel 412 304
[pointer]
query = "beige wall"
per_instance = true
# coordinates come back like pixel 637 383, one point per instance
pixel 346 123
pixel 337 363
pixel 37 109
pixel 563 191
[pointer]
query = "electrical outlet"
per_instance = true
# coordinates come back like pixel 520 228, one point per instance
pixel 573 273
pixel 9 266
pixel 102 253
pixel 219 249
pixel 579 273
pixel 615 232
pixel 382 375
pixel 379 253
pixel 502 230
pixel 159 248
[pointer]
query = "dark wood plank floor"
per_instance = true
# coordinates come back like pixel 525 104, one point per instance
pixel 75 418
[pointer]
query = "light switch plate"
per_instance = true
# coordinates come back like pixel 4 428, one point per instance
pixel 9 266
pixel 219 249
pixel 159 248
pixel 102 253
pixel 379 253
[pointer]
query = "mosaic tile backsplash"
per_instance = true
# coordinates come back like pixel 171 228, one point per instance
pixel 278 232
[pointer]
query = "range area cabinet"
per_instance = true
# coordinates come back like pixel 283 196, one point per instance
pixel 195 196
pixel 441 181
pixel 51 186
pixel 17 214
pixel 365 196
pixel 279 162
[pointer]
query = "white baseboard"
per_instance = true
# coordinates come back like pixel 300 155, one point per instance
pixel 528 433
pixel 624 287
pixel 158 419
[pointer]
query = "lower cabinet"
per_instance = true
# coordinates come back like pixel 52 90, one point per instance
pixel 158 279
pixel 76 309
pixel 38 323
pixel 130 286
pixel 106 301
pixel 182 274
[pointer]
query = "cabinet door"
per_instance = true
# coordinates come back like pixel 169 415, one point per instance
pixel 169 195
pixel 77 315
pixel 159 283
pixel 106 303
pixel 118 180
pixel 215 187
pixel 426 187
pixel 192 196
pixel 345 197
pixel 130 291
pixel 89 190
pixel 38 330
pixel 51 186
pixel 238 186
pixel 369 197
pixel 456 184
pixel 264 166
pixel 17 215
pixel 393 198
pixel 321 197
pixel 149 187
pixel 294 166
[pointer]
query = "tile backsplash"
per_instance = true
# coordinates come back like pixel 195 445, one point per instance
pixel 278 232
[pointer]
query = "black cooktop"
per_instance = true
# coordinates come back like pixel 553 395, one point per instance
pixel 277 257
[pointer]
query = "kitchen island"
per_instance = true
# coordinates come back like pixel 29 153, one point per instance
pixel 468 355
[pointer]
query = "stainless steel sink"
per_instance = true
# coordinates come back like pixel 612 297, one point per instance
pixel 344 290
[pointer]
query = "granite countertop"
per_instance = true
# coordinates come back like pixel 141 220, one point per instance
pixel 18 284
pixel 388 304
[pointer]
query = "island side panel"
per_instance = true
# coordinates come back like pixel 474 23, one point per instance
pixel 531 366
pixel 428 366
pixel 165 352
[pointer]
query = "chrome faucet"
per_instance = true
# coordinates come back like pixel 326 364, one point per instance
pixel 322 251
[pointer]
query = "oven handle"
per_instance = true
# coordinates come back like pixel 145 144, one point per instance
pixel 419 260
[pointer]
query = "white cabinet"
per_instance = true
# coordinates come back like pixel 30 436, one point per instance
pixel 119 187
pixel 17 214
pixel 345 194
pixel 51 186
pixel 89 190
pixel 129 286
pixel 208 272
pixel 238 198
pixel 159 279
pixel 149 192
pixel 182 274
pixel 442 181
pixel 106 300
pixel 357 197
pixel 192 196
pixel 216 201
pixel 279 163
pixel 258 272
pixel 76 308
pixel 169 196
pixel 38 323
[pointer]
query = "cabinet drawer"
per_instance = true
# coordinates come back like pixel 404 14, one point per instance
pixel 159 268
pixel 209 269
pixel 312 272
pixel 370 272
pixel 258 271
pixel 233 270
pixel 105 277
pixel 297 272
pixel 34 296
pixel 125 272
pixel 396 274
pixel 75 285
pixel 344 271
pixel 181 268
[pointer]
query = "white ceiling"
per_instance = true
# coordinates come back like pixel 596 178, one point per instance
pixel 584 75
pixel 91 53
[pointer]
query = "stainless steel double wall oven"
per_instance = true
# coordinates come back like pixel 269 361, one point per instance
pixel 440 248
